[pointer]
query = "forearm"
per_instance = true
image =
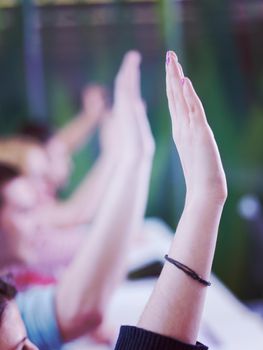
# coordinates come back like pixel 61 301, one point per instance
pixel 83 204
pixel 87 198
pixel 176 305
pixel 76 132
pixel 100 264
pixel 196 235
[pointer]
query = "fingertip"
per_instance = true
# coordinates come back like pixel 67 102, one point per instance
pixel 167 58
pixel 173 54
pixel 170 56
pixel 133 56
pixel 174 69
pixel 187 85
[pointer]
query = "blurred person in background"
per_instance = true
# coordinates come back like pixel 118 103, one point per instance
pixel 46 158
pixel 77 303
pixel 45 168
pixel 172 317
pixel 12 329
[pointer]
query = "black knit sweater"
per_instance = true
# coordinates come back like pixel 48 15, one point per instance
pixel 133 338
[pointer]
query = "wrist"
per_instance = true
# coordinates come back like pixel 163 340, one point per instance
pixel 88 119
pixel 206 199
pixel 212 194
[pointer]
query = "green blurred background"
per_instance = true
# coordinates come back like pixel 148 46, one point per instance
pixel 49 50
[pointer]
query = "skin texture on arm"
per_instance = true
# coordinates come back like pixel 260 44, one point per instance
pixel 176 305
pixel 86 287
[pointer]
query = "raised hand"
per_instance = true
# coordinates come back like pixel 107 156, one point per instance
pixel 94 102
pixel 77 132
pixel 176 305
pixel 192 135
pixel 129 109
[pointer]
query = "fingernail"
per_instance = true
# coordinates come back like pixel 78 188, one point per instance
pixel 167 58
pixel 182 81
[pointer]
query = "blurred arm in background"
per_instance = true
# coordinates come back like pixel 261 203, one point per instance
pixel 82 206
pixel 84 290
pixel 84 203
pixel 76 132
pixel 49 163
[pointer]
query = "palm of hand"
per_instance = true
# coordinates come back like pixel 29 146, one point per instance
pixel 201 162
pixel 193 137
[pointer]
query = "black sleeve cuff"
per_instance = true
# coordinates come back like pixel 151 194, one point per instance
pixel 131 338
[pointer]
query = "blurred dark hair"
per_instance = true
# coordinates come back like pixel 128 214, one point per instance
pixel 7 173
pixel 37 131
pixel 7 294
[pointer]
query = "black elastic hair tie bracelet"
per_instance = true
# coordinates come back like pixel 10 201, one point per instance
pixel 187 270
